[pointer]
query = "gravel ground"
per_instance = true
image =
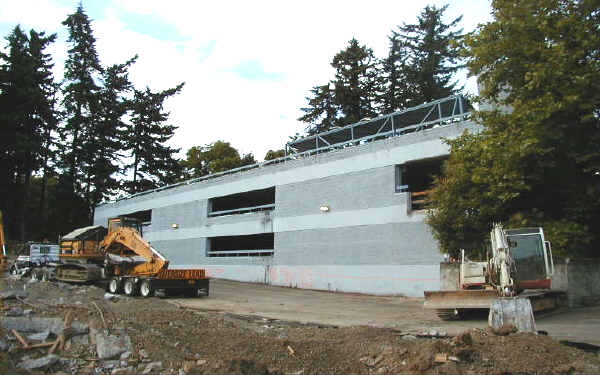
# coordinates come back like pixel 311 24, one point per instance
pixel 191 341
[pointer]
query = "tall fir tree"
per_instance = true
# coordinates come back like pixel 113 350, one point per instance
pixel 152 162
pixel 322 112
pixel 396 89
pixel 49 114
pixel 110 130
pixel 27 116
pixel 433 55
pixel 356 79
pixel 81 102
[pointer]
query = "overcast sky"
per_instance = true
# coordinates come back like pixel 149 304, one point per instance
pixel 247 65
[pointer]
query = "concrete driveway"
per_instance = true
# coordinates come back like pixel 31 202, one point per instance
pixel 345 309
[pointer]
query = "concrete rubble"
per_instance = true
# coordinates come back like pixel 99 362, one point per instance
pixel 54 325
pixel 12 294
pixel 39 363
pixel 108 346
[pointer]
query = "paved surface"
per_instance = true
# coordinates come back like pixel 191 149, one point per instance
pixel 343 309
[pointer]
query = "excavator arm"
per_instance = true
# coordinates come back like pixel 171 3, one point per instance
pixel 2 244
pixel 124 241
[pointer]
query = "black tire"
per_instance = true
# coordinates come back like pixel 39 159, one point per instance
pixel 191 293
pixel 114 286
pixel 146 289
pixel 44 274
pixel 36 274
pixel 13 271
pixel 130 288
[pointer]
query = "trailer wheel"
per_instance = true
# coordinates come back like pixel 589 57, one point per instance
pixel 114 286
pixel 35 274
pixel 146 289
pixel 45 274
pixel 130 288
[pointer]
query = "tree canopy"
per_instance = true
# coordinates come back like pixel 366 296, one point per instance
pixel 537 160
pixel 59 159
pixel 420 66
pixel 213 158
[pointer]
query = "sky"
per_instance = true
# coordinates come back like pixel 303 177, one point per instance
pixel 247 65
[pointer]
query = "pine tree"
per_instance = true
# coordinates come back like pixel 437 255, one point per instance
pixel 433 53
pixel 153 163
pixel 109 131
pixel 355 82
pixel 27 116
pixel 46 103
pixel 321 112
pixel 396 89
pixel 81 102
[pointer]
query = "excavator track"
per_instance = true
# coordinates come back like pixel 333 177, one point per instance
pixel 448 314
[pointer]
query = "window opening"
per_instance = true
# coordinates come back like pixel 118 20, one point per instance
pixel 247 245
pixel 417 178
pixel 240 203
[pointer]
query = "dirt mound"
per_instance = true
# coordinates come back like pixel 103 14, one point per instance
pixel 209 342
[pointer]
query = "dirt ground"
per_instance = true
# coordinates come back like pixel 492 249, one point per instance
pixel 345 309
pixel 237 332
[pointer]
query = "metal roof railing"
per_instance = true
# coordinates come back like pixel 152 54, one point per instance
pixel 443 112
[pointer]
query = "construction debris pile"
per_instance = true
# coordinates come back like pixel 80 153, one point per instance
pixel 57 328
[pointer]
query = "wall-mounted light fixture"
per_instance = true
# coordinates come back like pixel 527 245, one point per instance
pixel 324 208
pixel 174 226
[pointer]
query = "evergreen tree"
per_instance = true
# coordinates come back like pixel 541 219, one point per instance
pixel 537 164
pixel 321 112
pixel 433 52
pixel 110 129
pixel 153 163
pixel 27 115
pixel 81 102
pixel 396 90
pixel 355 83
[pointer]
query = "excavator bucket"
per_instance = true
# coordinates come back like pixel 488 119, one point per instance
pixel 459 299
pixel 512 311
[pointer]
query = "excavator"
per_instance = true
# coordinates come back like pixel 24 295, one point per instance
pixel 3 244
pixel 121 256
pixel 134 267
pixel 520 267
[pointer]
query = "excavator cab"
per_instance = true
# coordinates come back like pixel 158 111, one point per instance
pixel 124 222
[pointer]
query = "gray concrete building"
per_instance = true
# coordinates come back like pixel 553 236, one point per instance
pixel 341 212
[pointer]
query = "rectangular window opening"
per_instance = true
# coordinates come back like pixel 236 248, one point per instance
pixel 417 178
pixel 241 203
pixel 252 245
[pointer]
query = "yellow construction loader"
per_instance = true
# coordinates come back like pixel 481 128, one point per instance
pixel 134 267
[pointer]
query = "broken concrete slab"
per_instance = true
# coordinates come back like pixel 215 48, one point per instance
pixel 39 363
pixel 123 371
pixel 13 294
pixel 14 311
pixel 112 346
pixel 81 340
pixel 42 336
pixel 54 325
pixel 152 366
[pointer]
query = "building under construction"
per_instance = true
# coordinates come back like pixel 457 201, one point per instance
pixel 342 211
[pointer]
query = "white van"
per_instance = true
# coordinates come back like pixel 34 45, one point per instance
pixel 42 253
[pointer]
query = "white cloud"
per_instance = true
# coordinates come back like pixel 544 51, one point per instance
pixel 296 40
